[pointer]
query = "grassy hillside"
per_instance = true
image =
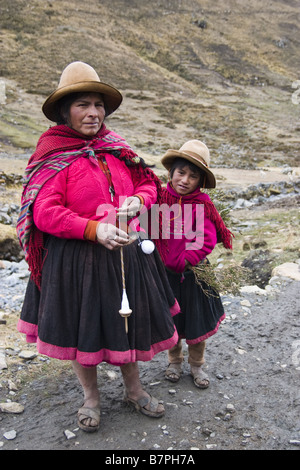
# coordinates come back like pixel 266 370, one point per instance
pixel 219 71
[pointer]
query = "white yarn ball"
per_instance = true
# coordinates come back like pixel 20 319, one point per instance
pixel 147 246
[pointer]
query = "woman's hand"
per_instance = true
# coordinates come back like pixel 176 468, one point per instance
pixel 130 207
pixel 111 236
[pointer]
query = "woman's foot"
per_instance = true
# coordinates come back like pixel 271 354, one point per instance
pixel 135 394
pixel 89 416
pixel 201 379
pixel 173 372
pixel 89 413
pixel 147 405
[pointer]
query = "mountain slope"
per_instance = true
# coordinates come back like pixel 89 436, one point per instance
pixel 187 69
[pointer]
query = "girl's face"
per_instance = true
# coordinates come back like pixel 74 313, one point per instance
pixel 87 114
pixel 185 181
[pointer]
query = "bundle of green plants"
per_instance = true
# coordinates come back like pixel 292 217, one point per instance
pixel 225 280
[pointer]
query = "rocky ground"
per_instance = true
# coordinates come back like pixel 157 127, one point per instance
pixel 251 404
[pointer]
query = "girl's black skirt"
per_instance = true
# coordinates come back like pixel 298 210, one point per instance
pixel 201 307
pixel 75 314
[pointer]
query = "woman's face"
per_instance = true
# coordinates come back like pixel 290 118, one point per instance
pixel 87 114
pixel 185 181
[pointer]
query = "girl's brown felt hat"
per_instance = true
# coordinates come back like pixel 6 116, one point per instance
pixel 195 152
pixel 81 77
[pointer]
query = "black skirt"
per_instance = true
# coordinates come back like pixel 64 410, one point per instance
pixel 75 314
pixel 201 307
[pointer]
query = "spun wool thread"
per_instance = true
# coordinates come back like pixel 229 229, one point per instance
pixel 125 311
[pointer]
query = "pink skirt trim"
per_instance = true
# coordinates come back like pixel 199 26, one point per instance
pixel 90 359
pixel 175 309
pixel 29 329
pixel 207 335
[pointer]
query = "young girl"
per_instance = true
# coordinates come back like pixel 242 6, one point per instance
pixel 193 214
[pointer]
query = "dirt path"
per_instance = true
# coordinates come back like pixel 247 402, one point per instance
pixel 226 177
pixel 252 403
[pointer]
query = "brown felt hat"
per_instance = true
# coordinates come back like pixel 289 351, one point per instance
pixel 81 77
pixel 195 152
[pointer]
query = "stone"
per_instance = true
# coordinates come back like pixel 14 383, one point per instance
pixel 112 375
pixel 246 311
pixel 174 405
pixel 69 434
pixel 294 442
pixel 230 408
pixel 11 407
pixel 227 417
pixel 3 364
pixel 26 354
pixel 2 92
pixel 252 290
pixel 240 351
pixel 12 386
pixel 291 270
pixel 242 203
pixel 9 435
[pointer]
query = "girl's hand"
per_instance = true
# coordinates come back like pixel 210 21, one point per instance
pixel 187 265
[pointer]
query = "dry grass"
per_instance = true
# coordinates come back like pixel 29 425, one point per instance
pixel 229 84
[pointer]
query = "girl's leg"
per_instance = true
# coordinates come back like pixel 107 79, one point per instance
pixel 175 354
pixel 196 354
pixel 196 361
pixel 175 357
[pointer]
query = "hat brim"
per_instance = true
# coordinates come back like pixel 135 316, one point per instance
pixel 169 157
pixel 111 96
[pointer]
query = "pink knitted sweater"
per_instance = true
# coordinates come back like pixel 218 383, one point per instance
pixel 79 193
pixel 196 215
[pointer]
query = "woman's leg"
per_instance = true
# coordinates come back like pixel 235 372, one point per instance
pixel 135 394
pixel 88 379
pixel 131 377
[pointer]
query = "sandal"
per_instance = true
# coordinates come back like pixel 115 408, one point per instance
pixel 142 403
pixel 201 379
pixel 85 413
pixel 173 372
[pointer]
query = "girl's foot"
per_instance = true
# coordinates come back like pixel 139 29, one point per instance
pixel 173 372
pixel 201 379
